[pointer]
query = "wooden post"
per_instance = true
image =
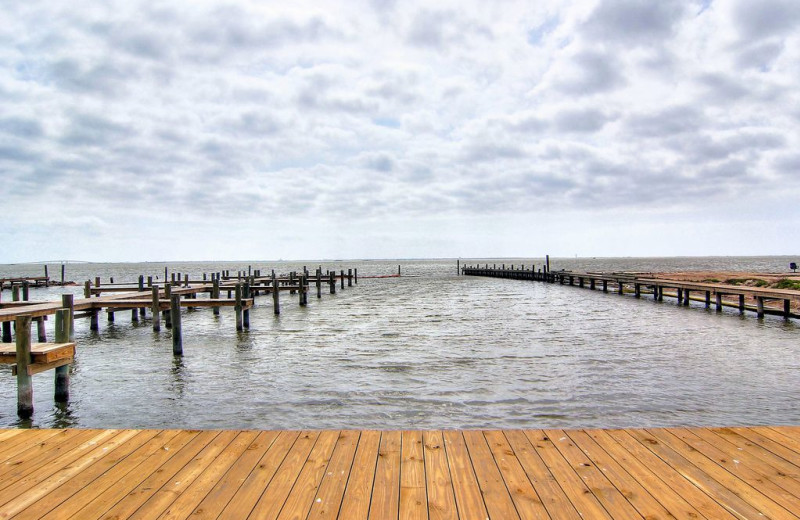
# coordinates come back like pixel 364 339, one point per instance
pixel 605 286
pixel 741 303
pixel 156 309
pixel 276 294
pixel 246 312
pixel 349 277
pixel 291 282
pixel 41 334
pixel 319 282
pixel 63 320
pixel 26 291
pixel 141 283
pixel 332 281
pixel 238 307
pixel 177 336
pixel 458 267
pixel 760 306
pixel 787 308
pixel 6 332
pixel 547 263
pixel 68 302
pixel 301 282
pixel 341 278
pixel 591 284
pixel 215 293
pixel 679 294
pixel 708 299
pixel 718 301
pixel 15 293
pixel 655 292
pixel 62 274
pixel 686 297
pixel 637 290
pixel 149 281
pixel 110 316
pixel 620 287
pixel 168 297
pixel 46 276
pixel 24 378
pixel 398 271
pixel 87 289
pixel 166 279
pixel 355 274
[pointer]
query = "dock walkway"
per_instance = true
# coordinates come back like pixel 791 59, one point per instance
pixel 712 473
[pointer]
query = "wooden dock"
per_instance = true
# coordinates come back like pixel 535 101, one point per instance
pixel 712 473
pixel 718 294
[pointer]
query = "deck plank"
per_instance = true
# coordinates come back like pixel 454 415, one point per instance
pixel 357 496
pixel 720 473
pixel 386 488
pixel 220 495
pixel 413 496
pixel 469 499
pixel 438 484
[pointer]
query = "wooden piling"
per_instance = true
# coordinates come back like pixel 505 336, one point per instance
pixel 24 377
pixel 87 289
pixel 349 277
pixel 332 281
pixel 177 333
pixel 62 333
pixel 708 299
pixel 786 309
pixel 760 307
pixel 41 334
pixel 655 292
pixel 741 303
pixel 302 298
pixel 26 286
pixel 68 302
pixel 141 283
pixel 215 292
pixel 355 275
pixel 637 290
pixel 63 272
pixel 168 297
pixel 246 293
pixel 718 301
pixel 686 295
pixel 319 282
pixel 15 293
pixel 46 276
pixel 276 295
pixel 341 278
pixel 238 307
pixel 156 309
pixel 398 271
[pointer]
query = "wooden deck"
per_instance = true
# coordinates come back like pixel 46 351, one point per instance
pixel 717 473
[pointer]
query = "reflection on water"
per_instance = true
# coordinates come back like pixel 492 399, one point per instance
pixel 431 350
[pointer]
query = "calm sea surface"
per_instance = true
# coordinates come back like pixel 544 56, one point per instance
pixel 428 350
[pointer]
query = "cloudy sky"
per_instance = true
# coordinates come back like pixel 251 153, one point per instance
pixel 141 130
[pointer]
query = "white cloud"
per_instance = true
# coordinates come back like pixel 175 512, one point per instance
pixel 340 113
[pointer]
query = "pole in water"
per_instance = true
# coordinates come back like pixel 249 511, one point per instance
pixel 67 301
pixel 156 309
pixel 238 307
pixel 177 337
pixel 24 379
pixel 63 320
pixel 62 273
pixel 398 270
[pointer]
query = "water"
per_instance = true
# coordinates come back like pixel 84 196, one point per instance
pixel 428 350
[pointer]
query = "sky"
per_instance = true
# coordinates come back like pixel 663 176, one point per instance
pixel 205 130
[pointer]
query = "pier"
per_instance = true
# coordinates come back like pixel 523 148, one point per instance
pixel 27 358
pixel 658 288
pixel 712 473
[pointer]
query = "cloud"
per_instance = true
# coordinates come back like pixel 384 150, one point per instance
pixel 273 114
pixel 634 22
pixel 590 72
pixel 765 18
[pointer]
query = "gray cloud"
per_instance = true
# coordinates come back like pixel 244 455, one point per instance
pixel 21 127
pixel 765 18
pixel 634 21
pixel 666 122
pixel 582 120
pixel 595 73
